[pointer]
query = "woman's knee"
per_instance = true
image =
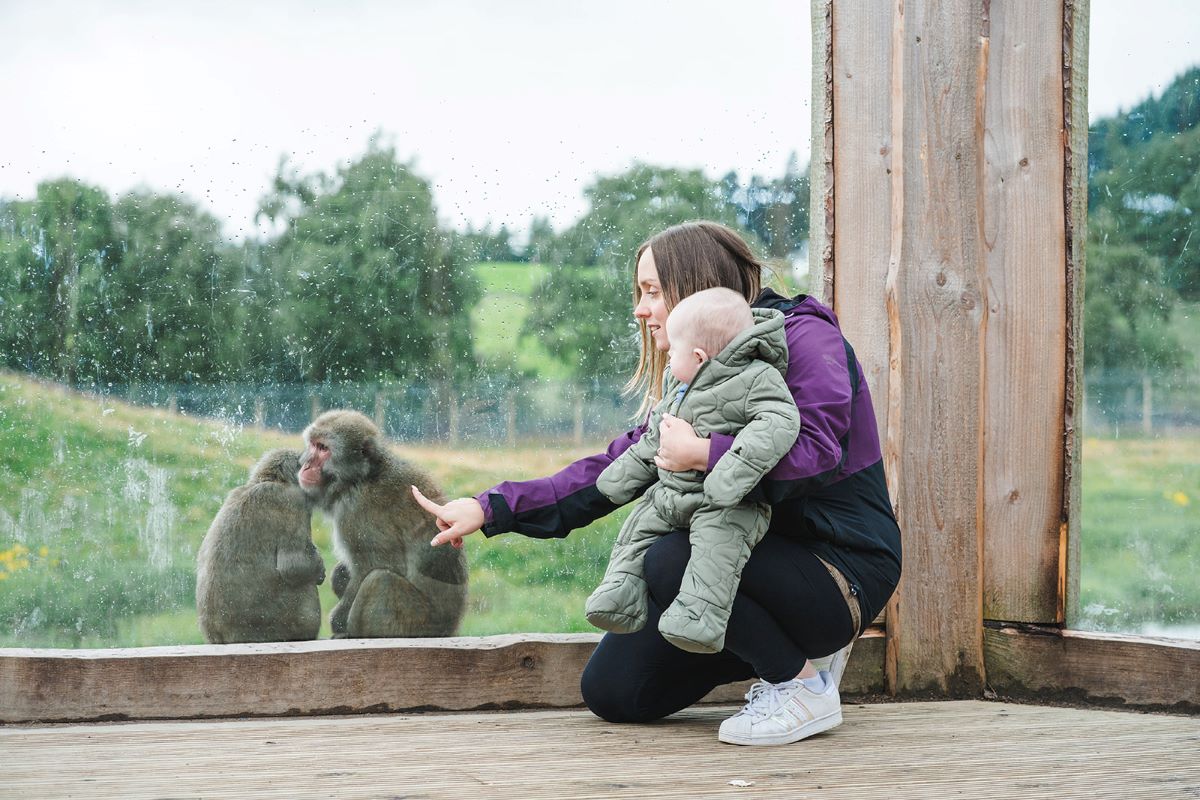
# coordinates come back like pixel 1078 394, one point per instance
pixel 664 564
pixel 610 700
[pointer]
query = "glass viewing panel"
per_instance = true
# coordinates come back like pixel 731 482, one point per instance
pixel 214 226
pixel 1140 539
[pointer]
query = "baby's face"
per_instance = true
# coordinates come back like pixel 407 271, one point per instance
pixel 685 359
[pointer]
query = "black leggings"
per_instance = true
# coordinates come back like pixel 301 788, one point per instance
pixel 788 609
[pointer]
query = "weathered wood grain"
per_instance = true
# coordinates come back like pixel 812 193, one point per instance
pixel 1023 228
pixel 325 677
pixel 821 186
pixel 862 113
pixel 938 313
pixel 907 750
pixel 1051 665
pixel 1075 115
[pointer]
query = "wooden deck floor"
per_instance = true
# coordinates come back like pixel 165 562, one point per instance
pixel 921 750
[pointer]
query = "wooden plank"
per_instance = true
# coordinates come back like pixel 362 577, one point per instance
pixel 325 677
pixel 909 750
pixel 1075 114
pixel 938 312
pixel 862 113
pixel 820 217
pixel 1051 665
pixel 1025 343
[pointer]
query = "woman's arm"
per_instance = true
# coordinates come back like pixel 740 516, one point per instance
pixel 551 507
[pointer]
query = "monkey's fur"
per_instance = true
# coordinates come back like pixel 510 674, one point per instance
pixel 257 570
pixel 390 581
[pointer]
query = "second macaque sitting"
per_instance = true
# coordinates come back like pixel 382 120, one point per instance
pixel 727 367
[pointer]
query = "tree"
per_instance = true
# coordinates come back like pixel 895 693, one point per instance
pixel 173 306
pixel 1127 309
pixel 373 288
pixel 58 258
pixel 585 301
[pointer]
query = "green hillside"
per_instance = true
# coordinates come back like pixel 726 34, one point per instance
pixel 107 504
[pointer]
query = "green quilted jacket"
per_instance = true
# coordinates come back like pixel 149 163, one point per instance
pixel 740 392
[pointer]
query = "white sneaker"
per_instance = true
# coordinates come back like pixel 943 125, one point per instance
pixel 782 713
pixel 834 664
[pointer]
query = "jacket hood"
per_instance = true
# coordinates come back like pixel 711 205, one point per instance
pixel 800 305
pixel 763 341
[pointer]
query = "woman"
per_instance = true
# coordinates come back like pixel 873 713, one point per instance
pixel 828 563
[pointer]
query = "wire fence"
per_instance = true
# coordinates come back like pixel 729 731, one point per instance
pixel 481 413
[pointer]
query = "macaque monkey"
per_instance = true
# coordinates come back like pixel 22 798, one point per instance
pixel 390 582
pixel 257 570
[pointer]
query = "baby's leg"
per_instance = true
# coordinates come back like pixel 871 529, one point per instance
pixel 619 602
pixel 721 540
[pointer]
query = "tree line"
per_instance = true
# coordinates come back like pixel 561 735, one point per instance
pixel 360 282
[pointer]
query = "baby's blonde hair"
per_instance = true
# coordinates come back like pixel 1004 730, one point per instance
pixel 710 319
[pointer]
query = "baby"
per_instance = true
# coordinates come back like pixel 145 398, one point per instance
pixel 727 367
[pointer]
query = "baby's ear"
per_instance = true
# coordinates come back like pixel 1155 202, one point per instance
pixel 700 355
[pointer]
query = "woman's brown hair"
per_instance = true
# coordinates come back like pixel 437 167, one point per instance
pixel 689 257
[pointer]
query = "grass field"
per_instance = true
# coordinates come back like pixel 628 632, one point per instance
pixel 107 504
pixel 497 319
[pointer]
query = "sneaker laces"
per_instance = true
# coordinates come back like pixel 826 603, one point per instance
pixel 764 699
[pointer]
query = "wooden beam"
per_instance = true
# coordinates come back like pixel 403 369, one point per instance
pixel 1047 664
pixel 937 317
pixel 1075 118
pixel 1024 249
pixel 862 110
pixel 325 677
pixel 820 170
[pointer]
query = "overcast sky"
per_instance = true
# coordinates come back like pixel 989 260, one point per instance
pixel 508 107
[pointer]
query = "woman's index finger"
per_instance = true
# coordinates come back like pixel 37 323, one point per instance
pixel 425 503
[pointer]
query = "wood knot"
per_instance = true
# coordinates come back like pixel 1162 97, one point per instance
pixel 941 279
pixel 527 662
pixel 1014 496
pixel 1024 162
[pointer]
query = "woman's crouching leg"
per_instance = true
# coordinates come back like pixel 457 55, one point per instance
pixel 639 677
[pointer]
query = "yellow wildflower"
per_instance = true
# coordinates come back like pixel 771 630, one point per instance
pixel 43 551
pixel 1181 499
pixel 6 556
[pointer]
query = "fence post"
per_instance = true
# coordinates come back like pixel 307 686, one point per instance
pixel 380 409
pixel 314 406
pixel 260 413
pixel 510 417
pixel 1147 404
pixel 578 432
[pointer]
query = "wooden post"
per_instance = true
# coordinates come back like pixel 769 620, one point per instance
pixel 314 406
pixel 577 434
pixel 820 215
pixel 1075 168
pixel 510 417
pixel 260 413
pixel 950 167
pixel 452 405
pixel 1147 404
pixel 380 409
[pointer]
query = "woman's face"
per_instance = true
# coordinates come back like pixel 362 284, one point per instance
pixel 652 307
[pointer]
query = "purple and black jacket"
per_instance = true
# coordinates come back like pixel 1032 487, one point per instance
pixel 829 490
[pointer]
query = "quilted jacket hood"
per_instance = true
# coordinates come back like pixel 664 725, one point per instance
pixel 764 341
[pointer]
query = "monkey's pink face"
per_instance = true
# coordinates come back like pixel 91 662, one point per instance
pixel 314 458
